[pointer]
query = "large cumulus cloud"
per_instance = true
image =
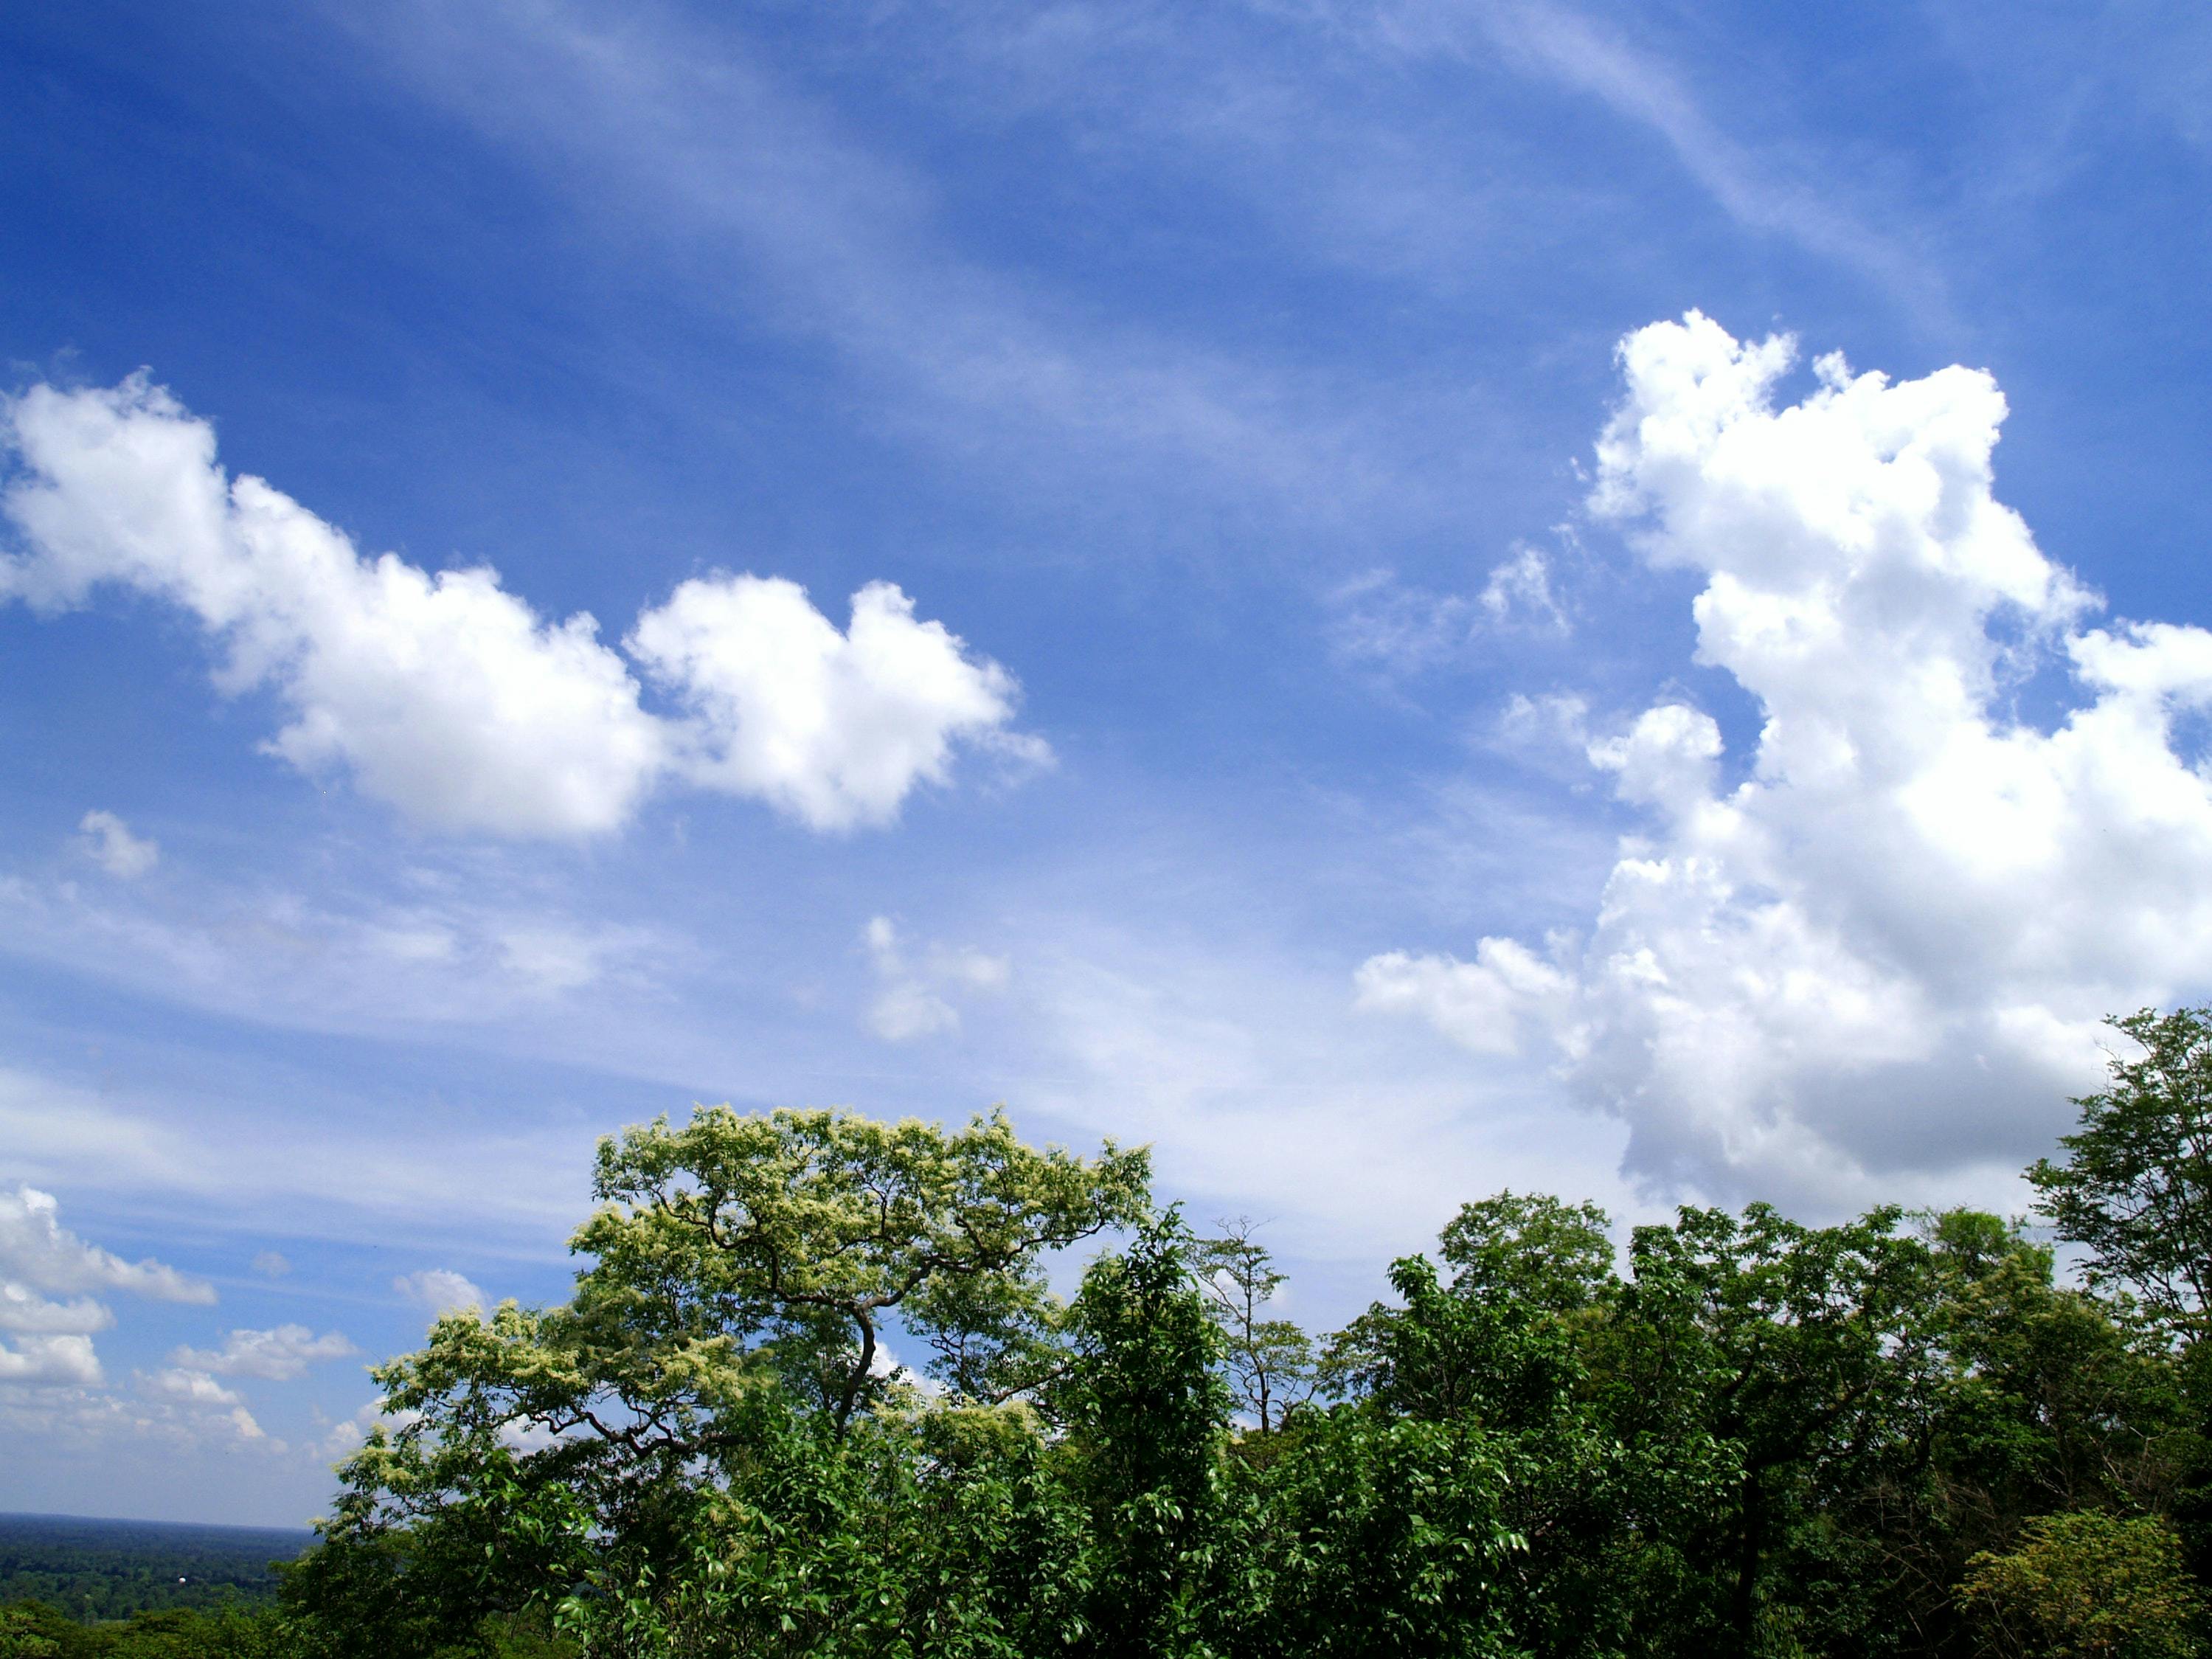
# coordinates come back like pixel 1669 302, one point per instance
pixel 1882 940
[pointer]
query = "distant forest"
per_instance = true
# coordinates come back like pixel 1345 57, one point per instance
pixel 813 1395
pixel 100 1569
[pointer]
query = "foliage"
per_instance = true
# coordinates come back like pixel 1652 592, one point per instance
pixel 2087 1585
pixel 805 1230
pixel 1146 1419
pixel 1269 1362
pixel 1741 1436
pixel 112 1569
pixel 24 1635
pixel 2136 1184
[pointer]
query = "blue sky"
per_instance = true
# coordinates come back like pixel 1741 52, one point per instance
pixel 1374 703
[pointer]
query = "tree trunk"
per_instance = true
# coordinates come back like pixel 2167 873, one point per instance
pixel 858 1378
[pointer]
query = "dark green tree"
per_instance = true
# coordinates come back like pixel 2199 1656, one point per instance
pixel 2136 1185
pixel 1790 1369
pixel 1147 1422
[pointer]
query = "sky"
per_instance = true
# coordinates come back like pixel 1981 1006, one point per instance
pixel 1393 599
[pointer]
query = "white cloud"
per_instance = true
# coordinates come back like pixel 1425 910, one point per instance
pixel 1519 587
pixel 107 841
pixel 1481 1005
pixel 835 729
pixel 194 1388
pixel 448 697
pixel 193 1407
pixel 344 1438
pixel 1378 619
pixel 184 1412
pixel 272 1264
pixel 24 1309
pixel 47 1361
pixel 912 1001
pixel 1883 938
pixel 443 695
pixel 441 1291
pixel 52 1341
pixel 279 1354
pixel 37 1251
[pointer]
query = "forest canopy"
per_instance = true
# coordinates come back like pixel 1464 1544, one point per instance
pixel 1735 1434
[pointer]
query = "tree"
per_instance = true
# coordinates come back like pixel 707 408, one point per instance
pixel 1772 1372
pixel 1467 1498
pixel 1530 1248
pixel 809 1229
pixel 2087 1585
pixel 1270 1361
pixel 703 1440
pixel 1147 1417
pixel 2135 1187
pixel 23 1638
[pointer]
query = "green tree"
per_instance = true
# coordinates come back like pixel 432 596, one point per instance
pixel 1765 1374
pixel 704 1440
pixel 1530 1248
pixel 807 1230
pixel 1147 1420
pixel 2087 1585
pixel 23 1636
pixel 2135 1186
pixel 1270 1361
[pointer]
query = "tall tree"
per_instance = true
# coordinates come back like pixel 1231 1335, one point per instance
pixel 809 1231
pixel 681 1446
pixel 1793 1365
pixel 2136 1185
pixel 1147 1420
pixel 1270 1360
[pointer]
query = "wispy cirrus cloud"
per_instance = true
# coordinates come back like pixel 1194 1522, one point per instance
pixel 681 135
pixel 1805 199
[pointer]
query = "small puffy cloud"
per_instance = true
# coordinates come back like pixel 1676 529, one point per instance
pixel 448 697
pixel 1481 1005
pixel 835 728
pixel 24 1309
pixel 194 1388
pixel 278 1355
pixel 913 998
pixel 107 841
pixel 443 695
pixel 189 1405
pixel 272 1264
pixel 1883 939
pixel 62 1359
pixel 440 1289
pixel 37 1251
